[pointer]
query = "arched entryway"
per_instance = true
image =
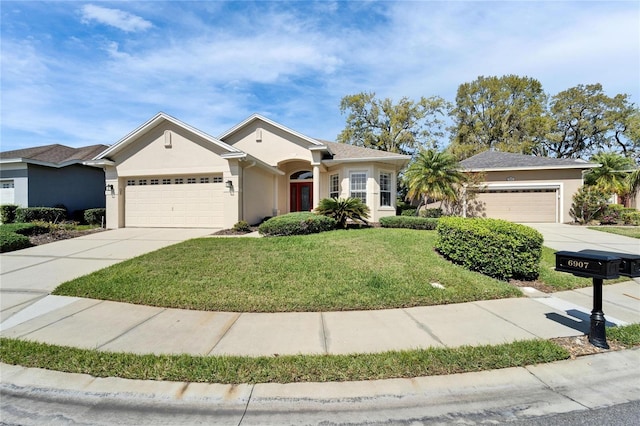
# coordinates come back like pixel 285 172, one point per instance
pixel 301 191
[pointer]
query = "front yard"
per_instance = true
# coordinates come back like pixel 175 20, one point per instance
pixel 331 271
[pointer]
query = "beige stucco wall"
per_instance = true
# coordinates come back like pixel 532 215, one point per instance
pixel 274 146
pixel 258 194
pixel 568 181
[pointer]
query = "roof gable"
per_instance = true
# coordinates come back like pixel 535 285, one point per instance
pixel 151 124
pixel 258 117
pixel 494 160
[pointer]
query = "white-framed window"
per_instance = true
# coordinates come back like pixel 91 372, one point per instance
pixel 154 181
pixel 131 182
pixel 358 185
pixel 142 182
pixel 334 186
pixel 191 180
pixel 204 180
pixel 178 181
pixel 166 181
pixel 385 189
pixel 217 179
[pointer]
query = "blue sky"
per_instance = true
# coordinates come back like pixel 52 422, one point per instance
pixel 80 73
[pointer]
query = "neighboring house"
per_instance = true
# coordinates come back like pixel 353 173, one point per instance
pixel 168 174
pixel 524 188
pixel 51 175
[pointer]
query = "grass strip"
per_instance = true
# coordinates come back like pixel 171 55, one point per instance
pixel 628 335
pixel 279 369
pixel 627 231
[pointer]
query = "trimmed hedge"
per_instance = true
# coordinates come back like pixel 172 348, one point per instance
pixel 631 218
pixel 410 222
pixel 493 247
pixel 94 216
pixel 45 214
pixel 300 223
pixel 8 213
pixel 10 241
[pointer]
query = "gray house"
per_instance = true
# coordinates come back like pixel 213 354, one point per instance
pixel 51 175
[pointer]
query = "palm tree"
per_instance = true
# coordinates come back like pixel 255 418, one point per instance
pixel 435 175
pixel 611 176
pixel 342 210
pixel 633 182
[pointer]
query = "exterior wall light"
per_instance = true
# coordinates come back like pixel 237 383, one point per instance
pixel 108 189
pixel 229 184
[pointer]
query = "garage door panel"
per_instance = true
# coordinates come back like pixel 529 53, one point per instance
pixel 520 206
pixel 177 205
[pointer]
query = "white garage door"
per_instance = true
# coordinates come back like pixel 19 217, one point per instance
pixel 7 192
pixel 197 205
pixel 521 205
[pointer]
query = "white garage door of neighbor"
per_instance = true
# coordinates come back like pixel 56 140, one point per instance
pixel 7 192
pixel 174 206
pixel 521 206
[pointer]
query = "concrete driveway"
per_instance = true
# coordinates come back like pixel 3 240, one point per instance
pixel 30 274
pixel 560 236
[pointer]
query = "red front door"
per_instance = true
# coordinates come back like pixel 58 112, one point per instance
pixel 301 196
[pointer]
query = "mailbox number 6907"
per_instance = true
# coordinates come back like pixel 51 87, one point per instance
pixel 578 264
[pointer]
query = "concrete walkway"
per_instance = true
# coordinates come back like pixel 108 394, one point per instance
pixel 559 236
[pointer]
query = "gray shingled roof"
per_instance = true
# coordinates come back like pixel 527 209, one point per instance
pixel 343 151
pixel 498 160
pixel 55 154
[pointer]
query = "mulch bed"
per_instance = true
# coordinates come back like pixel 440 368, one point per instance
pixel 62 234
pixel 231 232
pixel 580 346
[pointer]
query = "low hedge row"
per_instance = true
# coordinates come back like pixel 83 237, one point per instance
pixel 631 218
pixel 301 223
pixel 410 222
pixel 94 216
pixel 10 241
pixel 45 214
pixel 14 236
pixel 493 247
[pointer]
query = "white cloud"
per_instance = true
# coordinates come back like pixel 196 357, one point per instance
pixel 122 20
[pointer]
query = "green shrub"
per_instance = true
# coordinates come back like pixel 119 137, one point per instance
pixel 10 241
pixel 410 222
pixel 300 223
pixel 437 212
pixel 27 229
pixel 588 204
pixel 94 216
pixel 408 212
pixel 242 226
pixel 493 247
pixel 611 214
pixel 344 209
pixel 8 213
pixel 631 218
pixel 46 214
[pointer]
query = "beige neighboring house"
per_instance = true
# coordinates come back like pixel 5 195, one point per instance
pixel 524 188
pixel 166 173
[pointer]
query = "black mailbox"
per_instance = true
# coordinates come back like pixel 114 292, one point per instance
pixel 629 264
pixel 589 265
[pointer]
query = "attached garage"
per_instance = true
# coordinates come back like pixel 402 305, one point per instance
pixel 521 205
pixel 174 203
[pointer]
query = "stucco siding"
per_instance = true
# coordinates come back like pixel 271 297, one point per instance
pixel 258 196
pixel 270 144
pixel 76 187
pixel 151 155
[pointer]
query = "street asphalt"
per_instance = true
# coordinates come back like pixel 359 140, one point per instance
pixel 28 311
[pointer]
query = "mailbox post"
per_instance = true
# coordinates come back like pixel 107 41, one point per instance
pixel 598 266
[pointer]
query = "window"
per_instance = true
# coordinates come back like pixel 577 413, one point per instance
pixel 334 186
pixel 166 181
pixel 191 180
pixel 217 179
pixel 131 182
pixel 7 184
pixel 204 180
pixel 154 181
pixel 303 175
pixel 385 189
pixel 142 182
pixel 358 186
pixel 178 181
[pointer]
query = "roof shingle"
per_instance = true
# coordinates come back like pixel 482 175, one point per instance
pixel 55 154
pixel 496 160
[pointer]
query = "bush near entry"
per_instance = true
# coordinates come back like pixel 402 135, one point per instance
pixel 631 218
pixel 301 223
pixel 45 214
pixel 410 222
pixel 493 247
pixel 8 213
pixel 94 216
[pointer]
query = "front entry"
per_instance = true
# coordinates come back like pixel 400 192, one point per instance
pixel 301 195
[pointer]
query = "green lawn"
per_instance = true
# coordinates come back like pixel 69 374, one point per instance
pixel 627 231
pixel 331 271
